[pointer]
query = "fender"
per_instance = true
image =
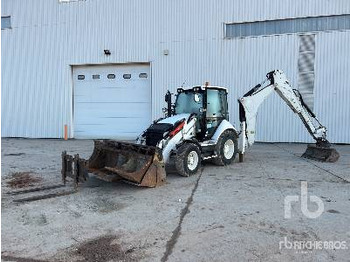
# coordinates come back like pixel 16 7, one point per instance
pixel 193 141
pixel 224 125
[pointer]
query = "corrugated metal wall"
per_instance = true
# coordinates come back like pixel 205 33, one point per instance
pixel 48 37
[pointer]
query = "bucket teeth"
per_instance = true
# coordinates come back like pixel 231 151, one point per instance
pixel 322 154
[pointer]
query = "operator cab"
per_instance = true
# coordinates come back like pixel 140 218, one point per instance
pixel 208 103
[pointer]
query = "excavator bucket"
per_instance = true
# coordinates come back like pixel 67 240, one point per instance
pixel 112 160
pixel 321 153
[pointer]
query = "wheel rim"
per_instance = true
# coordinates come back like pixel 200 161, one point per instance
pixel 192 160
pixel 229 149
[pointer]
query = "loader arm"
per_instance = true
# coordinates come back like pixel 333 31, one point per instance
pixel 251 101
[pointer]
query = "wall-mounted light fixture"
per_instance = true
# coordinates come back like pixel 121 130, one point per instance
pixel 107 51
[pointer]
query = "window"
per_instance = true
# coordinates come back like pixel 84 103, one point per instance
pixel 216 107
pixel 288 26
pixel 5 22
pixel 127 76
pixel 306 70
pixel 111 76
pixel 95 76
pixel 186 102
pixel 81 77
pixel 143 75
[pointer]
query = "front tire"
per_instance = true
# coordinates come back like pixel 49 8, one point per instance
pixel 188 159
pixel 226 148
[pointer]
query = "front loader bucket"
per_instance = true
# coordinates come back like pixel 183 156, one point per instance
pixel 321 153
pixel 132 163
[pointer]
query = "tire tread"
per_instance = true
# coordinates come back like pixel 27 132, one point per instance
pixel 219 160
pixel 180 157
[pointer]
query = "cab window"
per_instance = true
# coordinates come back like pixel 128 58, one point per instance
pixel 214 103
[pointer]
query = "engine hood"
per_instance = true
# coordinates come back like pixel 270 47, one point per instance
pixel 173 119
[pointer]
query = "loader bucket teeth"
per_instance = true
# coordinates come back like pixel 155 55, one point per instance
pixel 322 154
pixel 112 160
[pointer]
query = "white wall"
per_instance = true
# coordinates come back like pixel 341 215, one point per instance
pixel 47 37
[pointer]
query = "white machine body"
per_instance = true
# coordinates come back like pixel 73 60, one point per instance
pixel 187 127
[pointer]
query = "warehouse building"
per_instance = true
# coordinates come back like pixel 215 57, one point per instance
pixel 101 68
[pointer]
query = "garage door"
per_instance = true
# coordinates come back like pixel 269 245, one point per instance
pixel 111 101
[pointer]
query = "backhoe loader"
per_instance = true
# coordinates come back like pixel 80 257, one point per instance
pixel 196 127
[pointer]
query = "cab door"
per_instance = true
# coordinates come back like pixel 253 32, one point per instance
pixel 216 110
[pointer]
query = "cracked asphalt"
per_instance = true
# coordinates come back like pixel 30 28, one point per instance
pixel 231 213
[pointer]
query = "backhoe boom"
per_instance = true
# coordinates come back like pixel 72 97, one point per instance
pixel 277 81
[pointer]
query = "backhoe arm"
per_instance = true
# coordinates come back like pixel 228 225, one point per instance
pixel 251 101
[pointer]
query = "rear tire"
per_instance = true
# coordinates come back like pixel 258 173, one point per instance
pixel 188 159
pixel 226 148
